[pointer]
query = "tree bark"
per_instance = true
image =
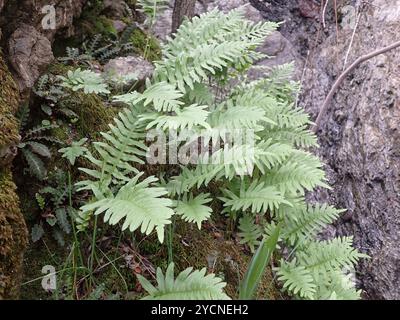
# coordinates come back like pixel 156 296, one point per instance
pixel 182 9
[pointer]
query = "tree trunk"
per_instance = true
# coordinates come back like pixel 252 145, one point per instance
pixel 182 9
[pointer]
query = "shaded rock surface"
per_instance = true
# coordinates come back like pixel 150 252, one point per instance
pixel 360 137
pixel 132 65
pixel 30 53
pixel 27 36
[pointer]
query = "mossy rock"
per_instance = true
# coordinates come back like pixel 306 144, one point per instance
pixel 94 115
pixel 13 237
pixel 9 127
pixel 99 25
pixel 13 232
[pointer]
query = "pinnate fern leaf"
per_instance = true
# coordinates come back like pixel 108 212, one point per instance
pixel 188 285
pixel 250 233
pixel 139 204
pixel 193 209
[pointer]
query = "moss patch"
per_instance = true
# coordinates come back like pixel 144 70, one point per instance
pixel 201 249
pixel 13 232
pixel 94 114
pixel 9 128
pixel 145 45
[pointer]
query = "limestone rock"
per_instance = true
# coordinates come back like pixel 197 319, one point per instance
pixel 115 8
pixel 29 53
pixel 124 66
pixel 360 136
pixel 119 25
pixel 29 43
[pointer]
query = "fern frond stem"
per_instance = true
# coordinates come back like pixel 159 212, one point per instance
pixel 76 244
pixel 171 242
pixel 92 254
pixel 62 272
pixel 112 263
pixel 342 77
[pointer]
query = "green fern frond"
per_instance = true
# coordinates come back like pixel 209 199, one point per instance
pixel 39 148
pixel 122 147
pixel 139 204
pixel 193 209
pixel 297 279
pixel 188 285
pixel 339 286
pixel 190 178
pixel 250 233
pixel 299 137
pixel 329 255
pixel 187 118
pixel 302 171
pixel 201 94
pixel 258 197
pixel 163 96
pixel 238 117
pixel 307 221
pixel 87 80
pixel 36 165
pixel 23 115
pixel 62 220
pixel 75 151
pixel 204 61
pixel 269 154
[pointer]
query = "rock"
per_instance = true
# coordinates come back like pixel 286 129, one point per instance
pixel 13 232
pixel 119 25
pixel 29 44
pixel 360 137
pixel 115 8
pixel 309 9
pixel 30 53
pixel 124 66
pixel 250 12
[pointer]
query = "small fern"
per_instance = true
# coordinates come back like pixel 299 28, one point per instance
pixel 250 233
pixel 188 285
pixel 87 80
pixel 32 147
pixel 140 205
pixel 193 209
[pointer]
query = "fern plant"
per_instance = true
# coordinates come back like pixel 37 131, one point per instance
pixel 53 200
pixel 53 97
pixel 188 285
pixel 87 80
pixel 32 144
pixel 200 90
